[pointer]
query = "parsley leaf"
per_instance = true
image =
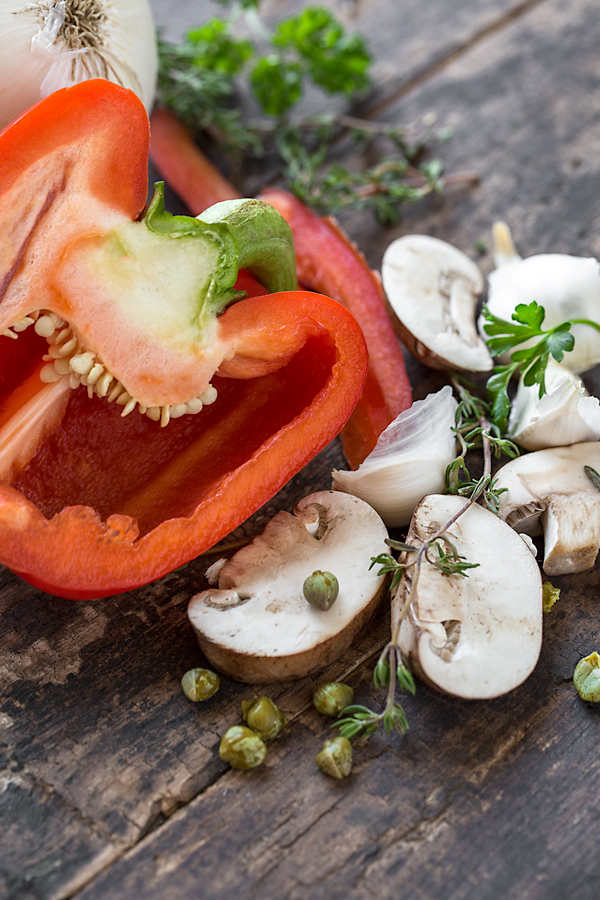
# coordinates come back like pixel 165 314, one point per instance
pixel 277 84
pixel 525 325
pixel 336 62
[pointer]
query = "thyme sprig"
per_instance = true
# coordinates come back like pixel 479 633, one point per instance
pixel 473 429
pixel 391 669
pixel 202 78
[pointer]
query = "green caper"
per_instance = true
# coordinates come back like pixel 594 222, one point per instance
pixel 586 678
pixel 200 684
pixel 332 697
pixel 242 748
pixel 263 717
pixel 321 589
pixel 335 758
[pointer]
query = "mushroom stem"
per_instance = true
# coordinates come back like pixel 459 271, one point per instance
pixel 487 471
pixel 462 297
pixel 504 248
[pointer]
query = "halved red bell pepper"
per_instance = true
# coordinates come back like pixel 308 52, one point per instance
pixel 327 261
pixel 93 503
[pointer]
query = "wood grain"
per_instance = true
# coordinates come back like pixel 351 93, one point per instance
pixel 111 782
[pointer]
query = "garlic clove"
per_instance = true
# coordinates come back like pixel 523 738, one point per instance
pixel 409 459
pixel 566 286
pixel 565 415
pixel 433 290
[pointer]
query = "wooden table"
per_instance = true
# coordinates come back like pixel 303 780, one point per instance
pixel 112 785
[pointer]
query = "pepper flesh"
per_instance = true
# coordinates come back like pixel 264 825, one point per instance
pixel 100 503
pixel 327 261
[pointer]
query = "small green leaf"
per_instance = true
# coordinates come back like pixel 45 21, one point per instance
pixel 592 475
pixel 405 679
pixel 531 314
pixel 277 85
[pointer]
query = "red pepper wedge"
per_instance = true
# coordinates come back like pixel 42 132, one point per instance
pixel 92 503
pixel 327 261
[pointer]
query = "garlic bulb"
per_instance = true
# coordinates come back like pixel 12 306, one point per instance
pixel 53 44
pixel 565 415
pixel 566 286
pixel 409 459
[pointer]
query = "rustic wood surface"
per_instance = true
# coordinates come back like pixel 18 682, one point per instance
pixel 112 786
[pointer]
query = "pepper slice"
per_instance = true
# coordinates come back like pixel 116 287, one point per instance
pixel 92 503
pixel 327 261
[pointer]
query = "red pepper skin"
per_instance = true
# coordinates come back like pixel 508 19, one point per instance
pixel 327 261
pixel 188 172
pixel 105 133
pixel 260 433
pixel 107 503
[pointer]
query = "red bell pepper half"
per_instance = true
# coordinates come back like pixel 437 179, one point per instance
pixel 146 407
pixel 327 261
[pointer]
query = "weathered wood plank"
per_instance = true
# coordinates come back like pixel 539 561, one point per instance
pixel 479 800
pixel 405 38
pixel 100 747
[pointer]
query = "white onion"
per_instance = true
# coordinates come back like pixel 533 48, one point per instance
pixel 51 44
pixel 409 460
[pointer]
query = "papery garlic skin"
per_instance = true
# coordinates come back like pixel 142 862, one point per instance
pixel 565 415
pixel 566 286
pixel 52 44
pixel 409 460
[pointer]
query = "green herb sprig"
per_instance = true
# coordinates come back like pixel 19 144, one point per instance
pixel 525 325
pixel 201 79
pixel 473 429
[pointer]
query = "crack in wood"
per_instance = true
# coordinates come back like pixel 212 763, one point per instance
pixel 447 58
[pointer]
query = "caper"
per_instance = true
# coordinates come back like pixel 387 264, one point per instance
pixel 242 748
pixel 332 697
pixel 586 678
pixel 263 717
pixel 335 758
pixel 321 589
pixel 200 684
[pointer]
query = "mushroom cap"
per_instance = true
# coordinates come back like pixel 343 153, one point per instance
pixel 257 626
pixel 548 490
pixel 479 636
pixel 432 289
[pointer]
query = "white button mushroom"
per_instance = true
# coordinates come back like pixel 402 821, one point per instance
pixel 257 626
pixel 432 290
pixel 478 636
pixel 549 490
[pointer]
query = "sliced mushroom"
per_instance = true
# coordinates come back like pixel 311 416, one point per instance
pixel 548 490
pixel 432 290
pixel 478 636
pixel 566 414
pixel 257 626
